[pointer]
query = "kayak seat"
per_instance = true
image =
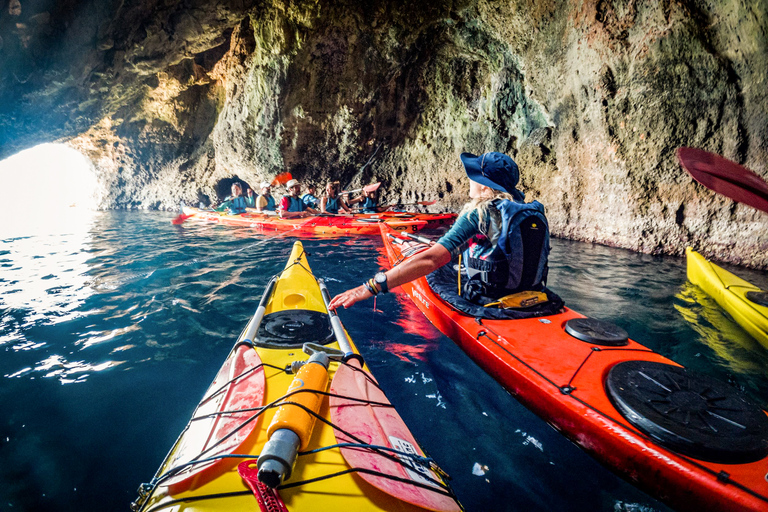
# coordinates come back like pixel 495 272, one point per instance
pixel 443 282
pixel 293 328
pixel 689 413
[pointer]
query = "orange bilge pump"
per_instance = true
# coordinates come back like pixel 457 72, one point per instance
pixel 291 427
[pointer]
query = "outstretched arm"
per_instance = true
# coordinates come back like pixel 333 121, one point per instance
pixel 420 265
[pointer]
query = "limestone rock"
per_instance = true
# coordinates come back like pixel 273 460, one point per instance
pixel 172 100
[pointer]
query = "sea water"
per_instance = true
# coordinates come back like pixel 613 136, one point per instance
pixel 111 332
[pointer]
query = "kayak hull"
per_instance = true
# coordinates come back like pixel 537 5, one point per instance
pixel 337 225
pixel 731 293
pixel 324 480
pixel 562 379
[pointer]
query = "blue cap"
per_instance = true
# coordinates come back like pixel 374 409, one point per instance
pixel 494 170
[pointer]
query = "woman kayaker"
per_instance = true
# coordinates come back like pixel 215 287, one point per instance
pixel 265 201
pixel 476 236
pixel 291 205
pixel 235 203
pixel 250 198
pixel 332 202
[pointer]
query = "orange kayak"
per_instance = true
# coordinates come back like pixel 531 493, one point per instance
pixel 357 224
pixel 684 438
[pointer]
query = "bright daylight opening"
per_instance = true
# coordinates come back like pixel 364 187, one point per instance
pixel 48 196
pixel 50 188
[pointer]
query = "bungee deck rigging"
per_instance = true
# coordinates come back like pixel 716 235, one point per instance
pixel 221 472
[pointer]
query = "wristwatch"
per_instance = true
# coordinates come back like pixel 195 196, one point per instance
pixel 381 280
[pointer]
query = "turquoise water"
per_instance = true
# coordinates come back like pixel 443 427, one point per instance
pixel 111 334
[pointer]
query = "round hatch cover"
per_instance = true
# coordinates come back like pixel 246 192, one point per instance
pixel 689 413
pixel 597 332
pixel 294 327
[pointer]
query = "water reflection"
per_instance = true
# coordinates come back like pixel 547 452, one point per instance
pixel 46 281
pixel 45 275
pixel 735 348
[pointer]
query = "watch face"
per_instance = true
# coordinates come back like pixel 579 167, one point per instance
pixel 381 277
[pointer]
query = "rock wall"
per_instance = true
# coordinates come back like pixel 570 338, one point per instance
pixel 172 98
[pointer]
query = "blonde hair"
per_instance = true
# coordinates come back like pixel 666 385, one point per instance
pixel 485 209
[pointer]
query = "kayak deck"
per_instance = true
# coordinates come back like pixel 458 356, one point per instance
pixel 563 380
pixel 732 294
pixel 323 478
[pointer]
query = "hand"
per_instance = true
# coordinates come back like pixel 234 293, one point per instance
pixel 349 297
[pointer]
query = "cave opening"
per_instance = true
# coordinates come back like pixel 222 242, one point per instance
pixel 224 187
pixel 50 187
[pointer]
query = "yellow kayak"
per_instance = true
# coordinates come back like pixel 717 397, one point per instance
pixel 745 302
pixel 295 421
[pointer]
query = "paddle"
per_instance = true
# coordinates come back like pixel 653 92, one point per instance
pixel 725 177
pixel 338 329
pixel 418 203
pixel 368 188
pixel 361 411
pixel 281 179
pixel 182 217
pixel 420 239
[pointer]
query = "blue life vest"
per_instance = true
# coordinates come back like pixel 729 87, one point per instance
pixel 270 203
pixel 295 204
pixel 332 204
pixel 237 205
pixel 309 200
pixel 518 260
pixel 250 201
pixel 369 205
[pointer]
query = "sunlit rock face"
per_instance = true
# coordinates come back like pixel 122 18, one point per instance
pixel 169 98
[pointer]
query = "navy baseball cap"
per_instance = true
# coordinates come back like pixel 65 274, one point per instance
pixel 494 170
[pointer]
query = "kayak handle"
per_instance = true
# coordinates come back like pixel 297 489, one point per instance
pixel 338 328
pixel 253 325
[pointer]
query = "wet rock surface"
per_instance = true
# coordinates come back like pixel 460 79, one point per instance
pixel 172 99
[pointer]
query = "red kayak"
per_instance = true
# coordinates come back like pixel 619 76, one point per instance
pixel 355 224
pixel 692 442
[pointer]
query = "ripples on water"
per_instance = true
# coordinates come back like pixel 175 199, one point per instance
pixel 110 335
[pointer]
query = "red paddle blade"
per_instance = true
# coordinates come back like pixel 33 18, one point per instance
pixel 181 218
pixel 382 426
pixel 725 177
pixel 282 179
pixel 238 388
pixel 372 187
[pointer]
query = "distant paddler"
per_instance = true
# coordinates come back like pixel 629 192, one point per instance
pixel 368 199
pixel 291 205
pixel 310 198
pixel 234 204
pixel 265 201
pixel 333 201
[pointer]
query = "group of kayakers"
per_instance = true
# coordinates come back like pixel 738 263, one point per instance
pixel 293 204
pixel 500 242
